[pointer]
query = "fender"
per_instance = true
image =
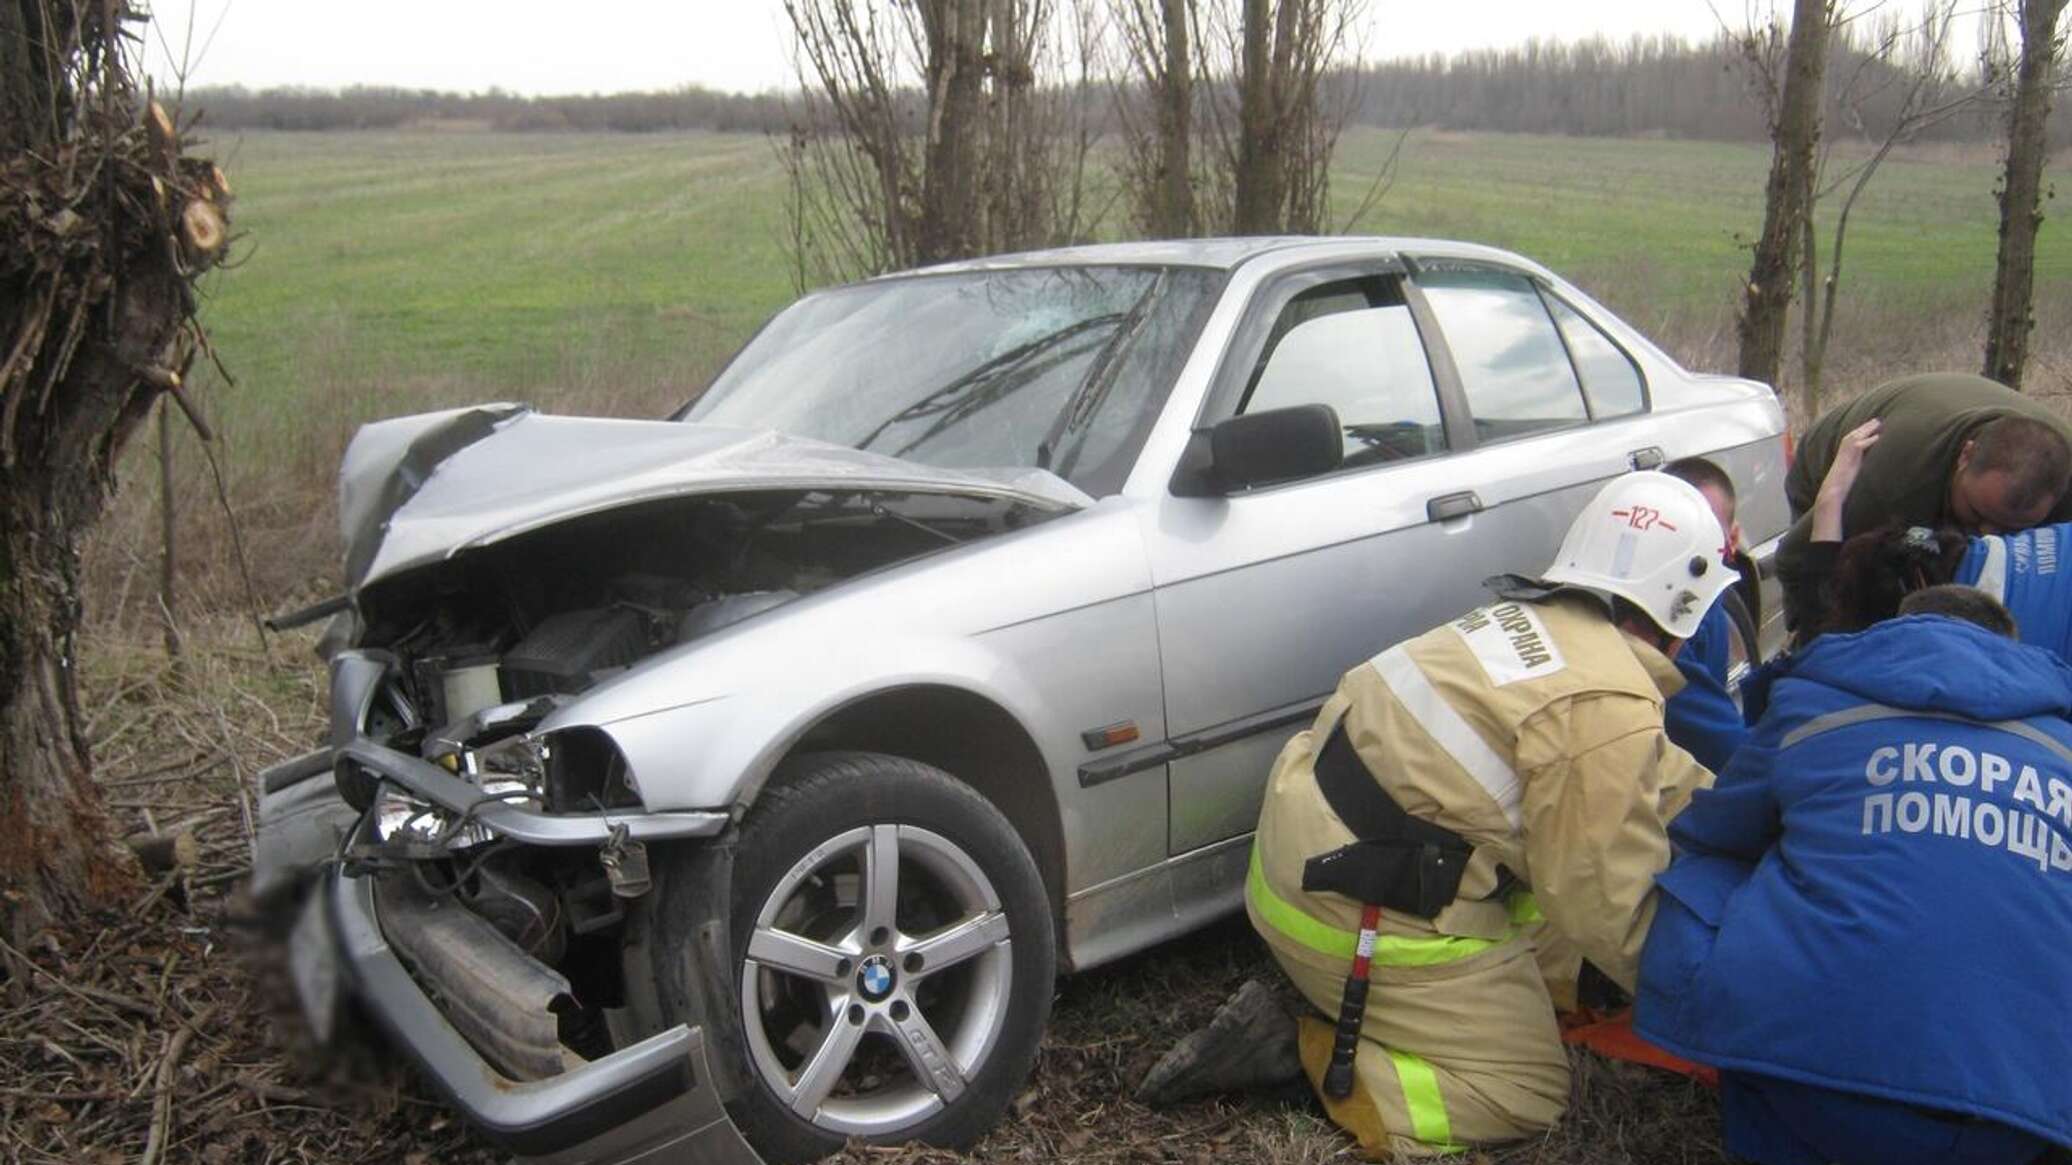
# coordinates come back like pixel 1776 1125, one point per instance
pixel 1053 626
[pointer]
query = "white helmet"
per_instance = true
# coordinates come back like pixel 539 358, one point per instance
pixel 1652 540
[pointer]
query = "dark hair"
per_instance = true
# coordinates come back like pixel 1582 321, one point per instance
pixel 1961 602
pixel 1702 473
pixel 2032 454
pixel 1876 570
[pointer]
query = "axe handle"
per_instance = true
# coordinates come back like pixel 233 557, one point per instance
pixel 1338 1075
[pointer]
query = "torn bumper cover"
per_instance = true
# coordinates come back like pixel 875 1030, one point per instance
pixel 650 1102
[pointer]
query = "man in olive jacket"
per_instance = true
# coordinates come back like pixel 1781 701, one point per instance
pixel 1939 449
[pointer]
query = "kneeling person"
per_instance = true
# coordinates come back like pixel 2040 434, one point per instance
pixel 1509 764
pixel 1864 928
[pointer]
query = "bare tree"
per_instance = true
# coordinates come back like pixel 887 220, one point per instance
pixel 1791 87
pixel 1287 119
pixel 1258 173
pixel 935 130
pixel 1155 114
pixel 1903 72
pixel 1275 126
pixel 104 227
pixel 2011 317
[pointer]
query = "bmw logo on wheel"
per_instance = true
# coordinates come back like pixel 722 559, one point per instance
pixel 874 978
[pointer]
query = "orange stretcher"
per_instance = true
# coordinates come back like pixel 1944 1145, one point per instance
pixel 1612 1036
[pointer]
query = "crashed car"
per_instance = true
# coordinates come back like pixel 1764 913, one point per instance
pixel 726 786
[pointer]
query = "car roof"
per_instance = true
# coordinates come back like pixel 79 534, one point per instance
pixel 1225 253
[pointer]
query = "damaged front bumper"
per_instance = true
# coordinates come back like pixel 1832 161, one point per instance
pixel 650 1102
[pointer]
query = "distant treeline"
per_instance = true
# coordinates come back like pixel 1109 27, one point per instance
pixel 1656 85
pixel 374 107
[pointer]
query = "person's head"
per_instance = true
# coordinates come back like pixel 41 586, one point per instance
pixel 1718 488
pixel 2009 476
pixel 1876 570
pixel 1961 602
pixel 1651 541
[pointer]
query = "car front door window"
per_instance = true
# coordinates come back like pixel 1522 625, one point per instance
pixel 1353 345
pixel 1610 380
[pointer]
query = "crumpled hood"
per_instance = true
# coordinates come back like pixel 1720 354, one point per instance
pixel 418 489
pixel 1948 665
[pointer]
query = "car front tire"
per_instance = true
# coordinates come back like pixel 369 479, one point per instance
pixel 892 958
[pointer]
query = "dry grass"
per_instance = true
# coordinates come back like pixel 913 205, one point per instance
pixel 158 1028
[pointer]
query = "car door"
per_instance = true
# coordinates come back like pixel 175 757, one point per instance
pixel 1454 472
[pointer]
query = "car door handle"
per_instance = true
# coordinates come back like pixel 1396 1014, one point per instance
pixel 1460 505
pixel 1648 458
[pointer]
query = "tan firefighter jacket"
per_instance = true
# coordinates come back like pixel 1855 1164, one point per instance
pixel 1533 730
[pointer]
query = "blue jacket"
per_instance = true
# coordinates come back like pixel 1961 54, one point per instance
pixel 2021 570
pixel 1702 719
pixel 1877 894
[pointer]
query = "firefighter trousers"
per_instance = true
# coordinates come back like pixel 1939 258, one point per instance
pixel 1459 1044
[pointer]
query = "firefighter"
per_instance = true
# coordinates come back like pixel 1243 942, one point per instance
pixel 1864 928
pixel 1502 769
pixel 1703 718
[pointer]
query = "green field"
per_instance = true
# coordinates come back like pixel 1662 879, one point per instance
pixel 493 258
pixel 513 263
pixel 383 273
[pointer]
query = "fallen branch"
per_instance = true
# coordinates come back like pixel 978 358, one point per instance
pixel 162 1096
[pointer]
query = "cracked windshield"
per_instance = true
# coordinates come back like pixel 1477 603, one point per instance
pixel 1045 368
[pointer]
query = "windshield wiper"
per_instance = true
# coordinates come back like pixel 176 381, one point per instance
pixel 951 398
pixel 1093 389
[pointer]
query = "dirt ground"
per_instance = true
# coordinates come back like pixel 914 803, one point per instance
pixel 161 1032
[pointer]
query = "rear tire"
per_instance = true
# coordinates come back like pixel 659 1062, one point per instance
pixel 892 958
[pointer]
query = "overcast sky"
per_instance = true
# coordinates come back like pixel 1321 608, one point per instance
pixel 601 46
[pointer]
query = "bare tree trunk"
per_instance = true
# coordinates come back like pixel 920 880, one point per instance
pixel 104 229
pixel 1795 135
pixel 935 130
pixel 1257 181
pixel 1175 127
pixel 2011 317
pixel 56 848
pixel 949 226
pixel 1812 353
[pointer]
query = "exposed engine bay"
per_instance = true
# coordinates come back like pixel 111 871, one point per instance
pixel 457 662
pixel 558 610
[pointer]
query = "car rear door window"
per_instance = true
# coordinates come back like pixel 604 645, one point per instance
pixel 1514 369
pixel 1610 379
pixel 1352 345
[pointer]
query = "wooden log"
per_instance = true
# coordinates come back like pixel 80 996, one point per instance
pixel 164 135
pixel 201 230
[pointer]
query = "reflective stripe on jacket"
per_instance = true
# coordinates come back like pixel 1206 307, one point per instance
pixel 1533 730
pixel 2023 572
pixel 1876 895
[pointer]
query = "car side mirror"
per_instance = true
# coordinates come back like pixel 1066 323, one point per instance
pixel 1260 448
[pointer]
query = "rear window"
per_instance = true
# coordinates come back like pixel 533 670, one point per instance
pixel 1513 365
